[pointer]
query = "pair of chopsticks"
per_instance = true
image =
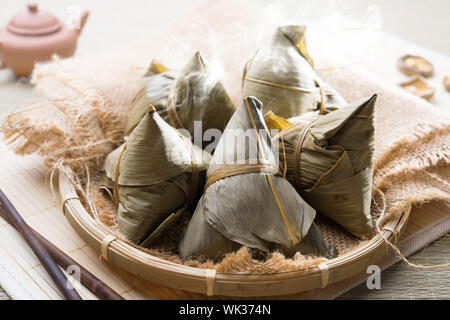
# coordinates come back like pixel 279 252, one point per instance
pixel 50 256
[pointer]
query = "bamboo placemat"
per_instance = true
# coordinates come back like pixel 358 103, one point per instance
pixel 403 282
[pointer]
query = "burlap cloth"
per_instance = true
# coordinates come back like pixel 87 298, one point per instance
pixel 82 116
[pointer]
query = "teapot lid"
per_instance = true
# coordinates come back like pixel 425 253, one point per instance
pixel 33 22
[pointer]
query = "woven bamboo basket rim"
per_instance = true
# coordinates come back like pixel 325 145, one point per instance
pixel 177 276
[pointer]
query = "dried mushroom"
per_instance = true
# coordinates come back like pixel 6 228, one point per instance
pixel 282 76
pixel 419 87
pixel 415 65
pixel 447 83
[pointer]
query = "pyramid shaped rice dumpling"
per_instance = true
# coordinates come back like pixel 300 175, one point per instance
pixel 155 88
pixel 154 174
pixel 193 95
pixel 245 202
pixel 281 75
pixel 199 96
pixel 329 160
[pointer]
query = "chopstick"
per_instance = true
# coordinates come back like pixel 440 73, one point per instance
pixel 41 253
pixel 94 284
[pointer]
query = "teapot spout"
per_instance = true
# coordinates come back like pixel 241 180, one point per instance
pixel 82 20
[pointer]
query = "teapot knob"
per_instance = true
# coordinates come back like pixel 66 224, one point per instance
pixel 32 7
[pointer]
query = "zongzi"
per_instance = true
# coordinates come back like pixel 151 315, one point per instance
pixel 281 75
pixel 155 88
pixel 329 160
pixel 415 66
pixel 245 202
pixel 199 97
pixel 194 99
pixel 154 174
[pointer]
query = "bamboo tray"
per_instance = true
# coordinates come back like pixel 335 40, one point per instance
pixel 177 276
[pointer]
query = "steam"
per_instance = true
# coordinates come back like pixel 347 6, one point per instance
pixel 332 35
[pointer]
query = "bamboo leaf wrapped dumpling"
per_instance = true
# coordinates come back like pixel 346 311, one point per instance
pixel 199 96
pixel 329 161
pixel 156 173
pixel 194 94
pixel 281 75
pixel 245 202
pixel 155 88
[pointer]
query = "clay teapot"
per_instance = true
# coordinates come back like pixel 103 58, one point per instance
pixel 34 35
